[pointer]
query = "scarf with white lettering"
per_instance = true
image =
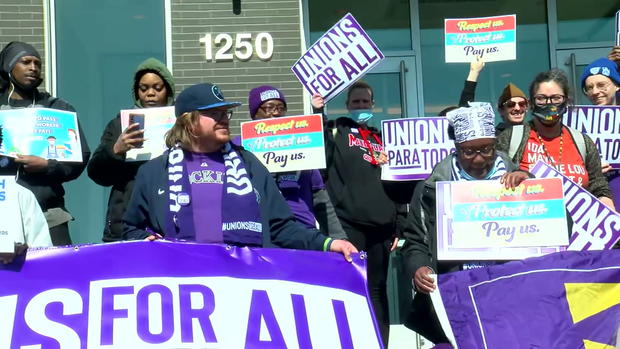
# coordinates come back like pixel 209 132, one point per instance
pixel 241 219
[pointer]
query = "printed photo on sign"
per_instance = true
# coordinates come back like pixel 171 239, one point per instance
pixel 483 220
pixel 602 124
pixel 261 300
pixel 337 59
pixel 414 146
pixel 284 144
pixel 493 38
pixel 155 122
pixel 595 226
pixel 47 133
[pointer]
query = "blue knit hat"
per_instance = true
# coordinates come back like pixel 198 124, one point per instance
pixel 602 66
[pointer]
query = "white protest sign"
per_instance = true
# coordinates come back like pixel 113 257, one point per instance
pixel 156 122
pixel 493 38
pixel 337 59
pixel 10 215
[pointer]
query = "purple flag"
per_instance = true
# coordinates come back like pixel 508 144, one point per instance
pixel 184 295
pixel 562 300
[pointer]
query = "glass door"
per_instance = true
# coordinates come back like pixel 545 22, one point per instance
pixel 394 85
pixel 573 62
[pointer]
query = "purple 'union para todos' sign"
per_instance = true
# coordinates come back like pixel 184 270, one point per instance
pixel 337 59
pixel 414 146
pixel 184 295
pixel 595 226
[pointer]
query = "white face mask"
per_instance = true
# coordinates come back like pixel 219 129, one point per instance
pixel 361 116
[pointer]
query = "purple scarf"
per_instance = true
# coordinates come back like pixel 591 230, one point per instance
pixel 241 219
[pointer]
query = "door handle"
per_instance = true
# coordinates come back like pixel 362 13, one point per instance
pixel 403 88
pixel 572 63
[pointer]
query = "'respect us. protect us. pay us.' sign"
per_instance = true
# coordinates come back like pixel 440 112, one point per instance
pixel 337 59
pixel 491 38
pixel 184 295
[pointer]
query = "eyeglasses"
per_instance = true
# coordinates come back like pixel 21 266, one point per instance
pixel 217 115
pixel 601 85
pixel 512 104
pixel 270 109
pixel 553 99
pixel 486 152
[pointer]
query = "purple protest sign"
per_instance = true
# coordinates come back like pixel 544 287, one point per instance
pixel 337 59
pixel 414 147
pixel 595 226
pixel 602 124
pixel 171 295
pixel 562 300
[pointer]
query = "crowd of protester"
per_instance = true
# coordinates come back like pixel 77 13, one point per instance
pixel 344 208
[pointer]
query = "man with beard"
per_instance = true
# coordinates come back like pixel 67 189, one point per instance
pixel 20 75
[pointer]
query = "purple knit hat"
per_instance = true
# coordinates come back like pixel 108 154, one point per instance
pixel 260 95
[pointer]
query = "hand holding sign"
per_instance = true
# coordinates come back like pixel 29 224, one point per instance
pixel 492 38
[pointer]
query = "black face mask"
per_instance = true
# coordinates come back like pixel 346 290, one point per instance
pixel 549 113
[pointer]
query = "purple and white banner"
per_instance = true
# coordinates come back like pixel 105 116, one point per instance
pixel 337 59
pixel 184 295
pixel 595 226
pixel 414 146
pixel 602 124
pixel 563 300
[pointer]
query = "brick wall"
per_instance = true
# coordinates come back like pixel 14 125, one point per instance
pixel 191 19
pixel 22 20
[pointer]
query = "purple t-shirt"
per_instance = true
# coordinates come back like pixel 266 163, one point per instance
pixel 297 188
pixel 206 174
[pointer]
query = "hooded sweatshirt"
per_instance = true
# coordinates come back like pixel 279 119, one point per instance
pixel 108 169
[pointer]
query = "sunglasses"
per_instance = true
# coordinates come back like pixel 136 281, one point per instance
pixel 512 104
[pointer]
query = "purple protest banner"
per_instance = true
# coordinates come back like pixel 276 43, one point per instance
pixel 595 226
pixel 414 146
pixel 602 124
pixel 337 59
pixel 184 295
pixel 562 300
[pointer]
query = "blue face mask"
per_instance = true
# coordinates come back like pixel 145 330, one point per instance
pixel 361 116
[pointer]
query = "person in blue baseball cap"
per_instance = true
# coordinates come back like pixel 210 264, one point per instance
pixel 208 190
pixel 600 82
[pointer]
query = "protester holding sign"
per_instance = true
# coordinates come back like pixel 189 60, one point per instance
pixel 475 158
pixel 368 215
pixel 153 86
pixel 208 190
pixel 545 138
pixel 20 75
pixel 512 105
pixel 304 191
pixel 22 223
pixel 600 82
